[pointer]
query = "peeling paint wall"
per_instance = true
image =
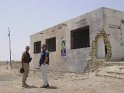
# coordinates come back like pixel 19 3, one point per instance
pixel 114 27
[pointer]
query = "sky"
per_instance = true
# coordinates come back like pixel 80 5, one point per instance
pixel 26 17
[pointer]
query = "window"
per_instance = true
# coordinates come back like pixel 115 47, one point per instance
pixel 51 44
pixel 80 38
pixel 122 21
pixel 37 47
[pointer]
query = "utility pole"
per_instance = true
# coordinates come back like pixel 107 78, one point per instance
pixel 9 35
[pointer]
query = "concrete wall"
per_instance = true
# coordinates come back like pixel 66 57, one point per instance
pixel 115 28
pixel 76 59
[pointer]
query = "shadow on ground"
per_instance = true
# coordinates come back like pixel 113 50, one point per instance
pixel 52 87
pixel 30 87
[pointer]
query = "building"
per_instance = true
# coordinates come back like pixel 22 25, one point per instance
pixel 97 35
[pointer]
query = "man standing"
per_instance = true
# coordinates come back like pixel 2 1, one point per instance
pixel 26 59
pixel 43 63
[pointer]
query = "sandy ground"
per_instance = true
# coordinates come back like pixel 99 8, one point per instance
pixel 105 80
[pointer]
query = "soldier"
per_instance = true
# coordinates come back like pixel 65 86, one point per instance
pixel 26 59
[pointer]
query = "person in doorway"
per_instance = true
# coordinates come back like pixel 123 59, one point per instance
pixel 44 63
pixel 26 59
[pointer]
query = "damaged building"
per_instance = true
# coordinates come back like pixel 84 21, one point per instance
pixel 97 35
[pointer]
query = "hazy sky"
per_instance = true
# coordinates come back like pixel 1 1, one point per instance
pixel 25 17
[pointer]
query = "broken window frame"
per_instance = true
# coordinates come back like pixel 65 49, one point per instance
pixel 76 36
pixel 37 47
pixel 51 44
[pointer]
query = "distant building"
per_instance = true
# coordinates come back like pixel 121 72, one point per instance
pixel 97 35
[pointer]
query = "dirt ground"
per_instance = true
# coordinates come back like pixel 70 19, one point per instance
pixel 105 80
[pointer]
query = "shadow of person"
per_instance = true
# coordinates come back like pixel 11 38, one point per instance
pixel 52 87
pixel 31 87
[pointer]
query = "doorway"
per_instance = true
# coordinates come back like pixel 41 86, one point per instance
pixel 101 53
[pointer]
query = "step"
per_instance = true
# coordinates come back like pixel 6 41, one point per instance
pixel 114 63
pixel 115 73
pixel 110 76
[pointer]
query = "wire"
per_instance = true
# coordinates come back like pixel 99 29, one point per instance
pixel 13 56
